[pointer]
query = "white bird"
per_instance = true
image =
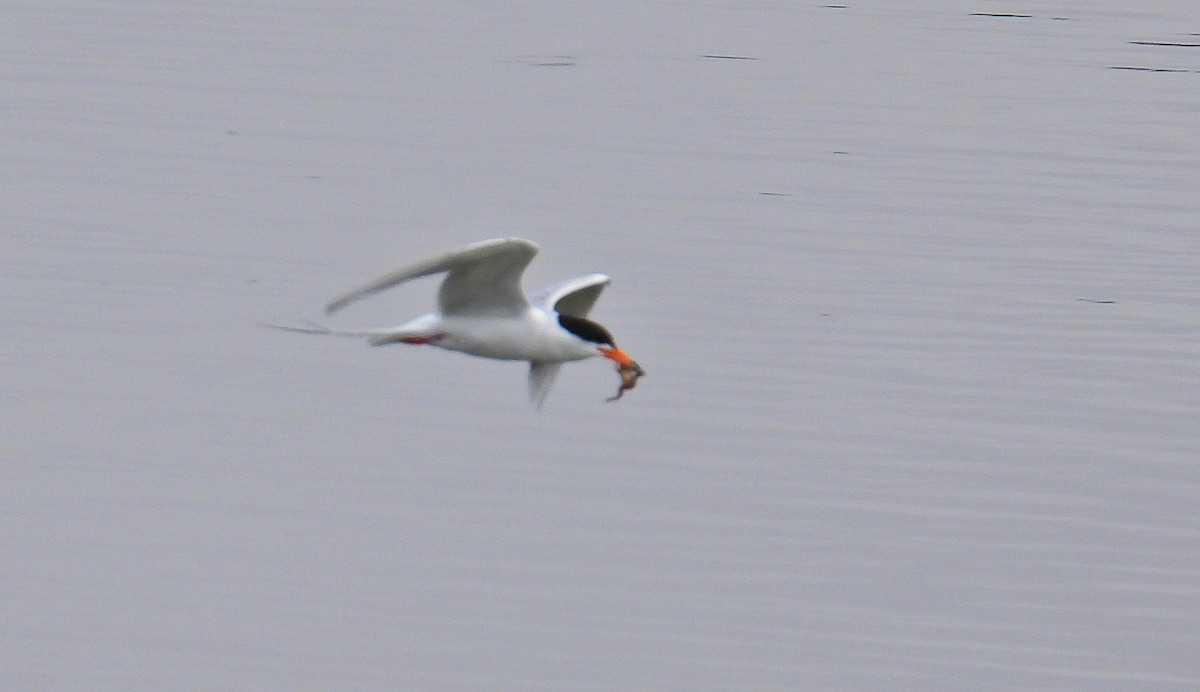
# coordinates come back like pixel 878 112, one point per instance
pixel 483 311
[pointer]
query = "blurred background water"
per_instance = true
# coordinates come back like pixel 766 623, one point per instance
pixel 915 288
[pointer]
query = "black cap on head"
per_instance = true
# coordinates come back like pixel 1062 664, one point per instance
pixel 587 330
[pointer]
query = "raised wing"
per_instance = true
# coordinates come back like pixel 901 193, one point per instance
pixel 574 297
pixel 482 278
pixel 541 379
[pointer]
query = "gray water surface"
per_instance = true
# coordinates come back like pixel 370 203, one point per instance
pixel 916 289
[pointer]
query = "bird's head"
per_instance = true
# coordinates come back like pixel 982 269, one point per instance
pixel 595 333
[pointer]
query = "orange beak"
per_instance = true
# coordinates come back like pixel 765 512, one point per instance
pixel 617 355
pixel 621 358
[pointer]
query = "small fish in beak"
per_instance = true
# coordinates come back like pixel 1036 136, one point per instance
pixel 629 376
pixel 627 368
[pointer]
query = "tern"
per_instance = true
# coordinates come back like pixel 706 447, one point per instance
pixel 483 311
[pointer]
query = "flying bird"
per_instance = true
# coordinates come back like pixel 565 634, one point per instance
pixel 483 311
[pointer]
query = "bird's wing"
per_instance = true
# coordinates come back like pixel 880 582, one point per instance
pixel 541 379
pixel 573 297
pixel 484 278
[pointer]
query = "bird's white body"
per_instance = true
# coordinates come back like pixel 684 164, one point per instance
pixel 483 311
pixel 534 335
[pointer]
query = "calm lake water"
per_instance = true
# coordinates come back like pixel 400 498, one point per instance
pixel 916 290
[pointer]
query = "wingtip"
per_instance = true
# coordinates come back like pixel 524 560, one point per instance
pixel 536 397
pixel 312 328
pixel 340 302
